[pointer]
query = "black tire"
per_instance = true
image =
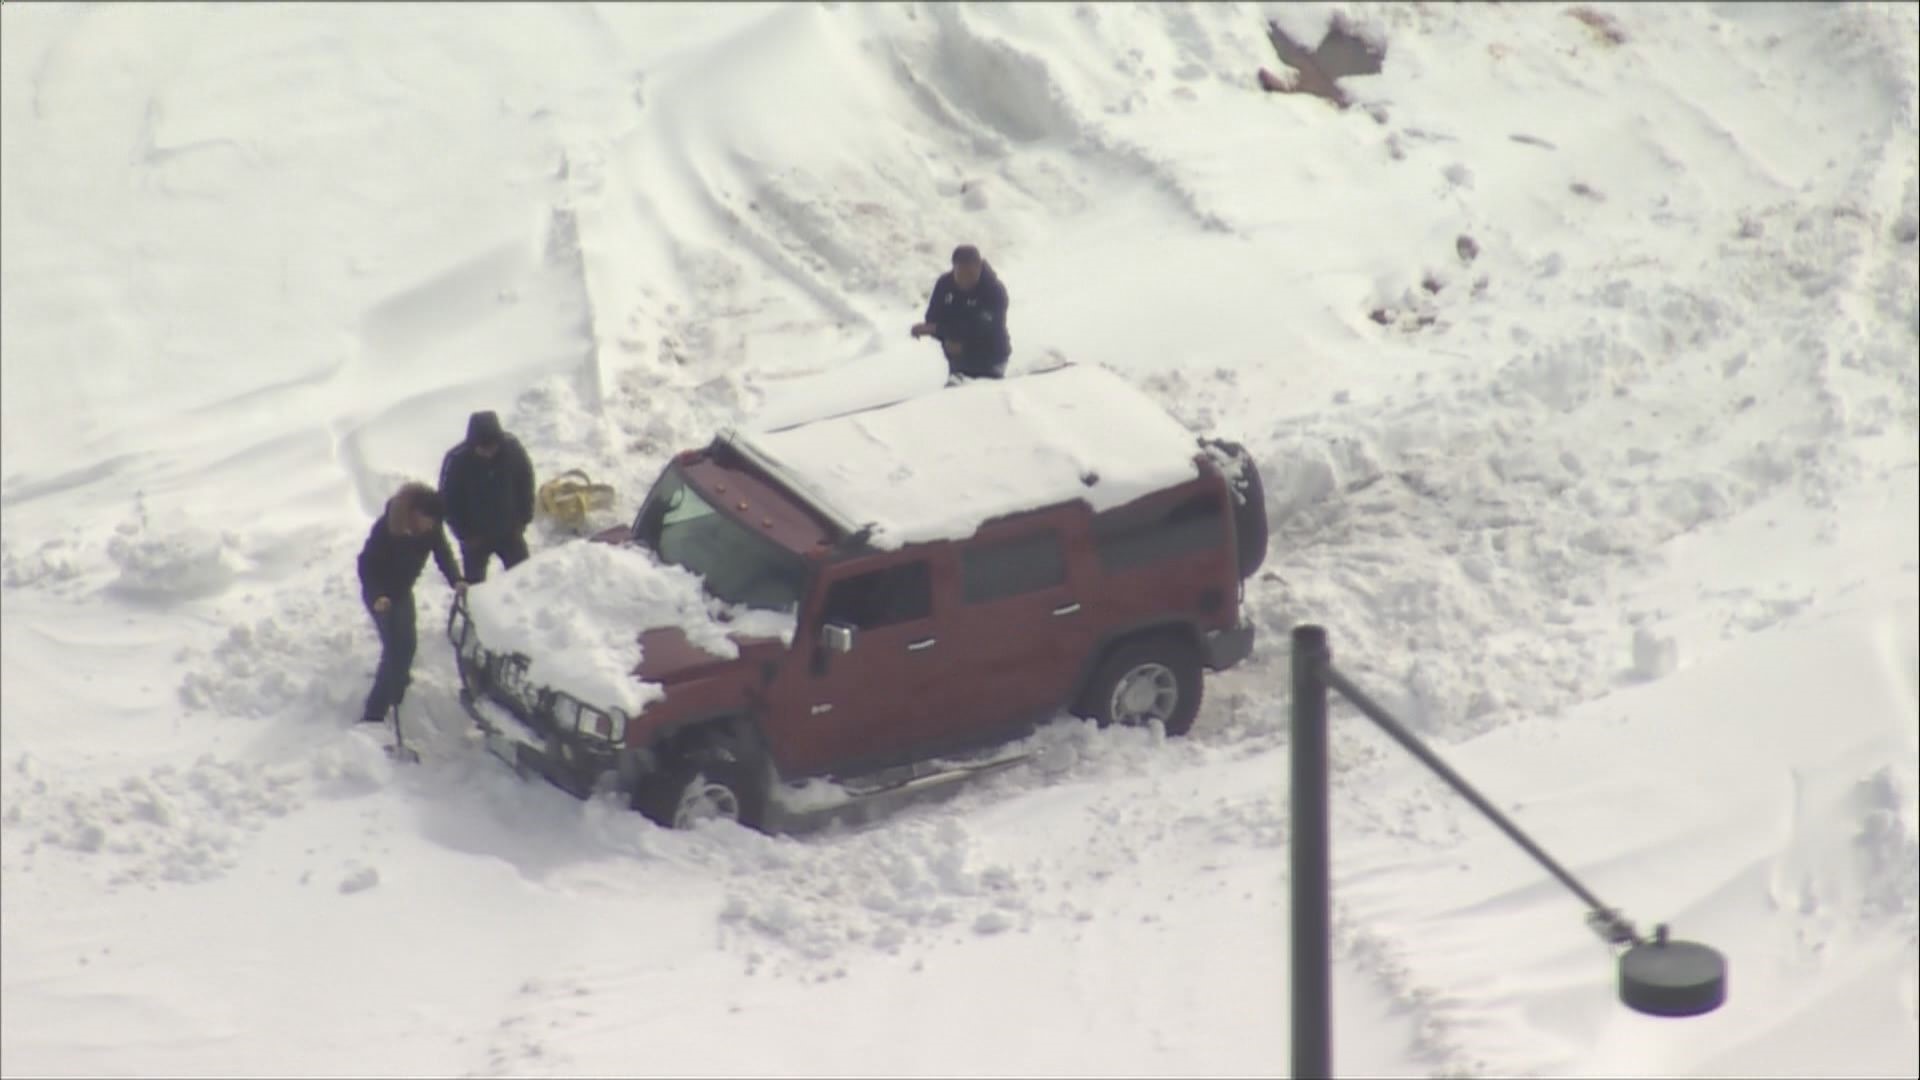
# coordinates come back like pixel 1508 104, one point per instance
pixel 1155 678
pixel 712 778
pixel 1250 532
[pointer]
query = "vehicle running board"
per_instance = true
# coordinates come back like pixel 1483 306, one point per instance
pixel 906 779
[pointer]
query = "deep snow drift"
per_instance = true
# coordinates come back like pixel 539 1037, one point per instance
pixel 1578 355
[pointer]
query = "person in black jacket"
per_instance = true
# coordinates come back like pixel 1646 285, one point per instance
pixel 390 562
pixel 968 314
pixel 488 484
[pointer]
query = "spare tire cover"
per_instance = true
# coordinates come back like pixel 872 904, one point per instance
pixel 1249 505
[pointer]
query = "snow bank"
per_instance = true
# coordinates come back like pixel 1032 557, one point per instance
pixel 810 909
pixel 1648 375
pixel 577 610
pixel 53 564
pixel 167 563
pixel 167 825
pixel 1668 799
pixel 936 466
pixel 305 656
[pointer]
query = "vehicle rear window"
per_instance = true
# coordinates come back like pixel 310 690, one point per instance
pixel 1003 568
pixel 895 594
pixel 1128 537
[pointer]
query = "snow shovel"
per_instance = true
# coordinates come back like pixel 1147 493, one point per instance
pixel 400 751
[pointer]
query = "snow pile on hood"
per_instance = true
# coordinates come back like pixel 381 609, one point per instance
pixel 577 612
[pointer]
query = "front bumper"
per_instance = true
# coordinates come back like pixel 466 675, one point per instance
pixel 1225 648
pixel 546 732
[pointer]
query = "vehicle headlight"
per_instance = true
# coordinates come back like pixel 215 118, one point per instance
pixel 611 725
pixel 607 725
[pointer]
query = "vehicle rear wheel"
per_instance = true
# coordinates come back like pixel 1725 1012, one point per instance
pixel 1144 681
pixel 708 783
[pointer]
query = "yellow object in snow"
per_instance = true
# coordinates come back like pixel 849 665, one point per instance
pixel 571 496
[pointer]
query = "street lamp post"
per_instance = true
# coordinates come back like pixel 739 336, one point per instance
pixel 1657 976
pixel 1308 838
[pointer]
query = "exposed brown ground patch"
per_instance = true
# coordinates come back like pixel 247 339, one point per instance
pixel 1603 25
pixel 1317 71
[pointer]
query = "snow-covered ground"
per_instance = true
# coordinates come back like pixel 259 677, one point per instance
pixel 1579 356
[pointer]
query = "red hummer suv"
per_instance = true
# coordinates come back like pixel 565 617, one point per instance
pixel 957 567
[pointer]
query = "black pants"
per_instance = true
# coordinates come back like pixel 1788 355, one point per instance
pixel 980 361
pixel 397 641
pixel 476 551
pixel 975 367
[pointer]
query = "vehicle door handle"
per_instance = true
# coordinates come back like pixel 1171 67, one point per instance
pixel 1068 610
pixel 916 646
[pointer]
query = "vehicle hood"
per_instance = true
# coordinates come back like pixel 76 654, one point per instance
pixel 667 655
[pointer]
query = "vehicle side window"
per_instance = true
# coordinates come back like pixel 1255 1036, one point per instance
pixel 896 594
pixel 1003 568
pixel 1126 538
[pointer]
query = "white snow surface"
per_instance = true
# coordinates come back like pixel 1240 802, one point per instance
pixel 937 465
pixel 576 611
pixel 1578 357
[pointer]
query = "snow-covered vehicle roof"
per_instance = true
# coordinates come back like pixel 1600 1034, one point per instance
pixel 938 465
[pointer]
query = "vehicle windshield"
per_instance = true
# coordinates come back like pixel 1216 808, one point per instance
pixel 738 565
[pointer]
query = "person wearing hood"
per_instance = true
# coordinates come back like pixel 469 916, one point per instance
pixel 968 314
pixel 488 484
pixel 397 546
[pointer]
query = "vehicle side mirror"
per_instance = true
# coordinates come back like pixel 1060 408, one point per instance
pixel 838 637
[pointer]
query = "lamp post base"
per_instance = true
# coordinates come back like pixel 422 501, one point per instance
pixel 1672 978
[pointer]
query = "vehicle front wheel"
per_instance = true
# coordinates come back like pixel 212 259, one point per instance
pixel 1155 679
pixel 710 783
